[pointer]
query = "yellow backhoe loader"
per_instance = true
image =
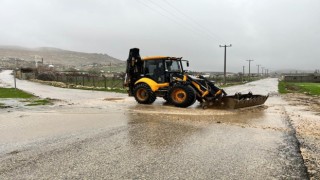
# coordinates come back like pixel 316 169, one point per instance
pixel 162 76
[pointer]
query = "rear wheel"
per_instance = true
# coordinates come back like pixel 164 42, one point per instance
pixel 182 95
pixel 143 94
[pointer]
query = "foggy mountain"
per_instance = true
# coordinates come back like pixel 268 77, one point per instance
pixel 56 56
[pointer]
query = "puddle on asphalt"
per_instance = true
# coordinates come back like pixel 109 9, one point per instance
pixel 22 126
pixel 117 111
pixel 158 131
pixel 269 117
pixel 114 99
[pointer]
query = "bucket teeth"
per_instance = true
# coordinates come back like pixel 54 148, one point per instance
pixel 236 101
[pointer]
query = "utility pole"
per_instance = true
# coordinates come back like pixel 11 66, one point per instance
pixel 258 69
pixel 249 68
pixel 14 78
pixel 242 72
pixel 225 61
pixel 262 71
pixel 267 71
pixel 15 75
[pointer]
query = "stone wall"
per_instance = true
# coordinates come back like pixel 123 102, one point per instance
pixel 315 78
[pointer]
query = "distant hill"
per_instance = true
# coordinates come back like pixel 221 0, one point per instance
pixel 56 56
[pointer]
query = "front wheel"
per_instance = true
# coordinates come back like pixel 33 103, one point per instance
pixel 182 95
pixel 143 94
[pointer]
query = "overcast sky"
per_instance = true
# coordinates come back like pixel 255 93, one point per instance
pixel 277 34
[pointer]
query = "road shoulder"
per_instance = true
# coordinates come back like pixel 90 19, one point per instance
pixel 303 112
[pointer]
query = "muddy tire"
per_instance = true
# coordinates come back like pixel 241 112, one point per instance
pixel 181 95
pixel 143 94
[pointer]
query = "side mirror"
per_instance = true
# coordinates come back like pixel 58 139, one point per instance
pixel 187 63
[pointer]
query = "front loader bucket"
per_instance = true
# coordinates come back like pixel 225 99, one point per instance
pixel 236 101
pixel 242 101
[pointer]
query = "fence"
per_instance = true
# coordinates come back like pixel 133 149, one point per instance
pixel 86 80
pixel 313 78
pixel 91 80
pixel 234 79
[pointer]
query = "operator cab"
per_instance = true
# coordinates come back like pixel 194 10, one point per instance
pixel 161 68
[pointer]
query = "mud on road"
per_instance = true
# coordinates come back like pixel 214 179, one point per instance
pixel 304 114
pixel 105 135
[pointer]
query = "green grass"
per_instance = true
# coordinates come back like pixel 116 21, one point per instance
pixel 2 105
pixel 13 93
pixel 311 88
pixel 117 90
pixel 290 87
pixel 282 87
pixel 39 102
pixel 16 93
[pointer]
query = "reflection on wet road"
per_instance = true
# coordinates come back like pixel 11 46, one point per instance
pixel 119 139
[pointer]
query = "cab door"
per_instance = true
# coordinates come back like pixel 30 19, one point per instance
pixel 154 69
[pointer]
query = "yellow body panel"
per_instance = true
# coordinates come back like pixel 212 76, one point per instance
pixel 218 92
pixel 160 58
pixel 154 58
pixel 153 85
pixel 184 78
pixel 203 93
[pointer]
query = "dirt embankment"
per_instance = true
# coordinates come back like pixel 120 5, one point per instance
pixel 304 113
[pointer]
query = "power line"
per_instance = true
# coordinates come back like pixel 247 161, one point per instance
pixel 166 16
pixel 174 17
pixel 193 20
pixel 168 11
pixel 159 12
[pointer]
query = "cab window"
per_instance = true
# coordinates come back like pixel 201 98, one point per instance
pixel 154 69
pixel 173 66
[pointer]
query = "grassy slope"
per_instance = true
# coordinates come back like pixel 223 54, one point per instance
pixel 13 93
pixel 28 98
pixel 309 88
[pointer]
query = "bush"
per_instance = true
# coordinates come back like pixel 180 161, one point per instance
pixel 46 76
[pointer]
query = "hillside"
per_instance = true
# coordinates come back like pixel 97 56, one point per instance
pixel 56 56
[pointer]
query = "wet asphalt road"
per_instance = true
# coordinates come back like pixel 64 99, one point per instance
pixel 94 138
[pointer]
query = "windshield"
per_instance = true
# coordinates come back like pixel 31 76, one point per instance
pixel 173 66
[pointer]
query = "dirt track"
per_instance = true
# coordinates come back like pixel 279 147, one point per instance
pixel 107 135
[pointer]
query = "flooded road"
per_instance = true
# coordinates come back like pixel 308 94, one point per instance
pixel 108 135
